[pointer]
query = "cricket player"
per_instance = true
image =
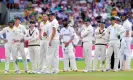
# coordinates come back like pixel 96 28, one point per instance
pixel 44 38
pixel 33 46
pixel 67 34
pixel 8 43
pixel 126 51
pixel 100 46
pixel 87 36
pixel 113 32
pixel 18 38
pixel 118 21
pixel 127 25
pixel 52 58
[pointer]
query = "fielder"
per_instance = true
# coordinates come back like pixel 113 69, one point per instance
pixel 44 37
pixel 100 47
pixel 67 34
pixel 113 32
pixel 87 36
pixel 8 43
pixel 18 45
pixel 33 46
pixel 125 51
pixel 118 21
pixel 52 58
pixel 127 25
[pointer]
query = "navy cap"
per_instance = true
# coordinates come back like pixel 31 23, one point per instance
pixel 117 18
pixel 66 19
pixel 52 14
pixel 124 14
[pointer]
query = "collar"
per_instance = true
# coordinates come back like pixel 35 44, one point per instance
pixel 32 30
pixel 113 25
pixel 16 26
pixel 11 28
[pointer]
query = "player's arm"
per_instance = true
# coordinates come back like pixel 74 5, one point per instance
pixel 35 36
pixel 86 33
pixel 121 31
pixel 40 31
pixel 61 36
pixel 105 36
pixel 97 35
pixel 26 36
pixel 1 33
pixel 73 35
pixel 24 29
pixel 53 31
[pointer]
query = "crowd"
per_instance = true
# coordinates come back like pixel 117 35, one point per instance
pixel 77 9
pixel 70 23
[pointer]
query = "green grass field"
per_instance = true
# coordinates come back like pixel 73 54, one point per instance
pixel 122 75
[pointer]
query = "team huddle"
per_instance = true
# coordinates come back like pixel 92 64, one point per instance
pixel 44 40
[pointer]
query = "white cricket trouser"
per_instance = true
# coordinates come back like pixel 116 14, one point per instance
pixel 100 51
pixel 43 52
pixel 8 47
pixel 87 53
pixel 34 57
pixel 52 58
pixel 68 54
pixel 17 46
pixel 125 56
pixel 113 46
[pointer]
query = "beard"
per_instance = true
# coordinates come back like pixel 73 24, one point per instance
pixel 65 25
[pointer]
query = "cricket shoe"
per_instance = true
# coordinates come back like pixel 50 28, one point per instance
pixel 17 72
pixel 34 72
pixel 65 70
pixel 27 71
pixel 39 72
pixel 115 70
pixel 75 70
pixel 102 70
pixel 55 72
pixel 6 72
pixel 85 71
pixel 107 70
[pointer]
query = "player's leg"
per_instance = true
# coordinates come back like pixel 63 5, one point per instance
pixel 7 60
pixel 32 58
pixel 41 58
pixel 56 56
pixel 66 60
pixel 14 52
pixel 128 60
pixel 37 53
pixel 95 60
pixel 121 57
pixel 71 55
pixel 45 52
pixel 108 57
pixel 116 55
pixel 124 62
pixel 87 55
pixel 102 57
pixel 22 52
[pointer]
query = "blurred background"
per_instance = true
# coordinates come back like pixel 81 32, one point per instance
pixel 75 10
